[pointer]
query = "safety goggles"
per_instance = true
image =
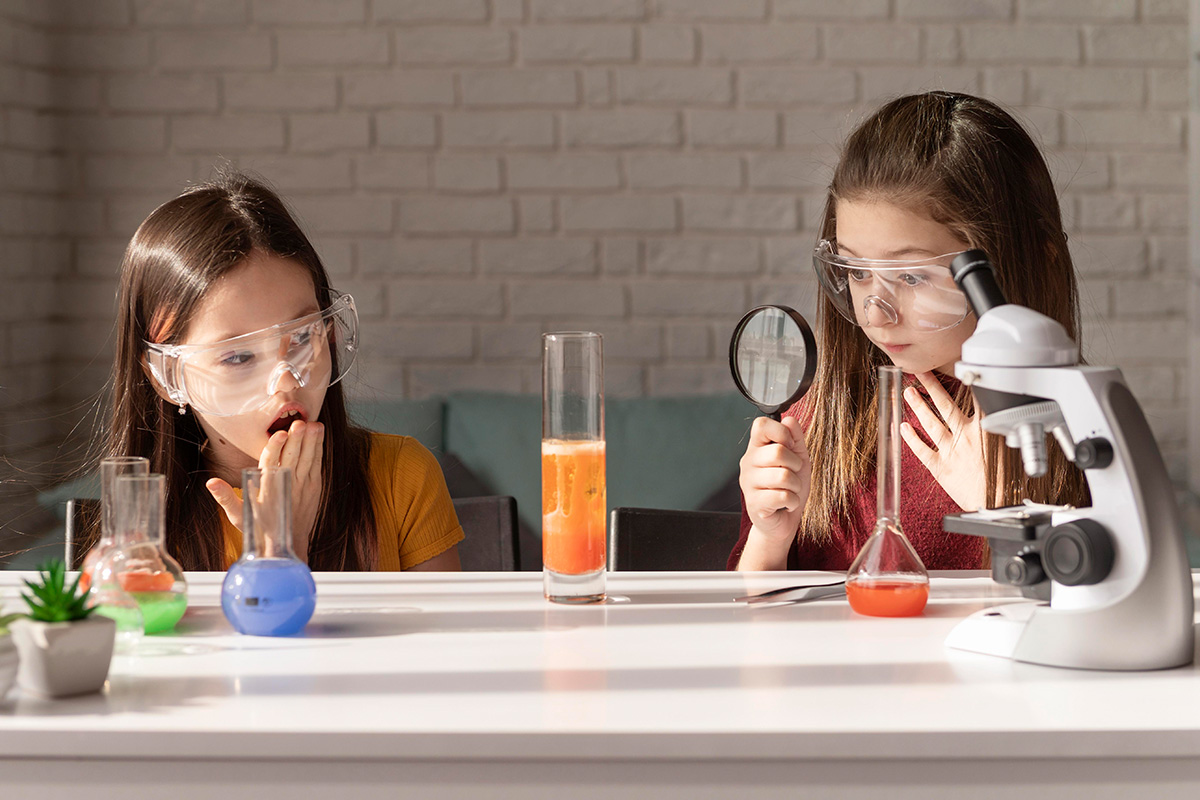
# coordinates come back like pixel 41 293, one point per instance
pixel 920 292
pixel 241 374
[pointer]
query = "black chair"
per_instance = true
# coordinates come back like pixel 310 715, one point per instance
pixel 654 539
pixel 490 525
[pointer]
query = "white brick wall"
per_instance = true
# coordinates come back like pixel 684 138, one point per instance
pixel 481 170
pixel 33 255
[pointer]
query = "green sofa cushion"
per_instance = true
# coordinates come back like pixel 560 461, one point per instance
pixel 661 452
pixel 420 419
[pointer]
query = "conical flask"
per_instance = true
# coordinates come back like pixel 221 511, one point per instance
pixel 111 600
pixel 110 469
pixel 138 564
pixel 887 578
pixel 268 591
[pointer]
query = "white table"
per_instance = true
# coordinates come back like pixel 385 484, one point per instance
pixel 472 686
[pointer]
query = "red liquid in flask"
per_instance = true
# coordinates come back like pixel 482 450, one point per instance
pixel 887 598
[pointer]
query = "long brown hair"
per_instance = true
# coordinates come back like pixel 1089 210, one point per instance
pixel 967 164
pixel 177 254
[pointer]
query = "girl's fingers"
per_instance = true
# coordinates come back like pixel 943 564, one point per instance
pixel 775 479
pixel 942 400
pixel 229 502
pixel 315 440
pixel 773 500
pixel 924 453
pixel 767 431
pixel 797 432
pixel 274 449
pixel 773 455
pixel 294 448
pixel 933 426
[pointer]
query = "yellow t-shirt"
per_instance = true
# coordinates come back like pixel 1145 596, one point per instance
pixel 414 517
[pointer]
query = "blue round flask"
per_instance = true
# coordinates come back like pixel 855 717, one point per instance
pixel 268 591
pixel 269 596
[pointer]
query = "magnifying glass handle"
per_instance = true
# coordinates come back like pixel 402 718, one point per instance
pixel 776 415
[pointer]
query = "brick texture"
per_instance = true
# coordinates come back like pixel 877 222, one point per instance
pixel 482 170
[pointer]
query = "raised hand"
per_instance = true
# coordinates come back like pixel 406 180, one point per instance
pixel 299 448
pixel 956 458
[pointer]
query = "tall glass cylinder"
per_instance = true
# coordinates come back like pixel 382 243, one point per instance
pixel 891 384
pixel 139 563
pixel 574 498
pixel 268 591
pixel 887 578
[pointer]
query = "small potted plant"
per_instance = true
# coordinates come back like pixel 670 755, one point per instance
pixel 65 648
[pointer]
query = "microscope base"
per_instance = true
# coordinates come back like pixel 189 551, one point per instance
pixel 993 631
pixel 1034 633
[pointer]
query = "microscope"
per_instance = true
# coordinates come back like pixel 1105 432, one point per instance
pixel 1116 573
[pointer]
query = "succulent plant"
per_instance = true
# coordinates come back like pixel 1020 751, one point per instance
pixel 53 600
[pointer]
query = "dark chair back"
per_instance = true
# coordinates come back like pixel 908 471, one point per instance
pixel 490 525
pixel 654 539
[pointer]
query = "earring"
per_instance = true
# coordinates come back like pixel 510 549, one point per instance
pixel 182 409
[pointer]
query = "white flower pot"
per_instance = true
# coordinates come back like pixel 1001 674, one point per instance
pixel 8 664
pixel 64 658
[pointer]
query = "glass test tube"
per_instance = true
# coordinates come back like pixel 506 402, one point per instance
pixel 574 496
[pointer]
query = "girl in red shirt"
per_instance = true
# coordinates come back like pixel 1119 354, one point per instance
pixel 924 178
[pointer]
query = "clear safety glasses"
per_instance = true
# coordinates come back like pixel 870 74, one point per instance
pixel 241 374
pixel 919 293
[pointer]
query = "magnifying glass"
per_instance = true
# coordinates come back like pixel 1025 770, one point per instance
pixel 773 358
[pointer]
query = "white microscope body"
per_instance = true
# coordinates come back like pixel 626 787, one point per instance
pixel 1120 584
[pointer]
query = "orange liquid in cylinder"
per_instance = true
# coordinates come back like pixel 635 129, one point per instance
pixel 886 598
pixel 573 506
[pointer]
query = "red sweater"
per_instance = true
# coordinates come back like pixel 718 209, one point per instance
pixel 923 503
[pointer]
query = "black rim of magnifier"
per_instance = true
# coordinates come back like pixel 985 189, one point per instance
pixel 810 358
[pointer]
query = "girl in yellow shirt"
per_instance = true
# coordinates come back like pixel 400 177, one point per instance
pixel 230 348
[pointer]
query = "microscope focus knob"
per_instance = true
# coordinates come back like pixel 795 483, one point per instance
pixel 1094 453
pixel 1078 553
pixel 1024 569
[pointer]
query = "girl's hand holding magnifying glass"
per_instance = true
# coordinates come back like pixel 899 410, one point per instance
pixel 775 476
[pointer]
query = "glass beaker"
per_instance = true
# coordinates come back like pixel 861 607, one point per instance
pixel 110 469
pixel 113 601
pixel 268 591
pixel 138 563
pixel 887 578
pixel 574 497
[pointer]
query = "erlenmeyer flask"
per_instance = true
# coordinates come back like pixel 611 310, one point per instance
pixel 887 578
pixel 139 564
pixel 110 599
pixel 268 592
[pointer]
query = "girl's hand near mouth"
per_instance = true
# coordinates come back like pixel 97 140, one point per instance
pixel 300 448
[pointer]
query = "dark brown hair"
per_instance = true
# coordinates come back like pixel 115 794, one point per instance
pixel 967 164
pixel 177 254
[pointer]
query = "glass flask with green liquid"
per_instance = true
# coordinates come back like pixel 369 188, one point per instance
pixel 138 565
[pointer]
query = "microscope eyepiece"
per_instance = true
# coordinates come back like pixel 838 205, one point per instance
pixel 973 272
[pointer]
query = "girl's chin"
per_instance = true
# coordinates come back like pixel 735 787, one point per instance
pixel 911 366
